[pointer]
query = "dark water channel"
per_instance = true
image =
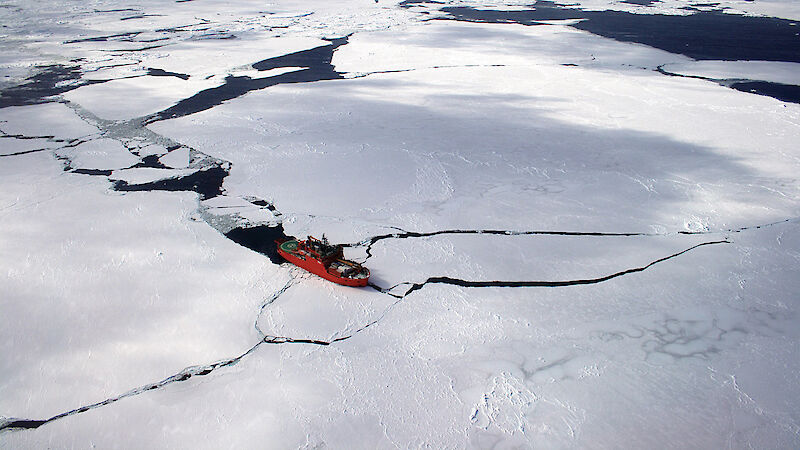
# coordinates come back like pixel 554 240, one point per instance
pixel 316 65
pixel 783 92
pixel 49 80
pixel 702 35
pixel 260 239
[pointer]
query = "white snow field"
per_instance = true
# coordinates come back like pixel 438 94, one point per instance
pixel 568 248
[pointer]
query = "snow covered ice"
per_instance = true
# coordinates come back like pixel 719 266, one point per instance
pixel 576 240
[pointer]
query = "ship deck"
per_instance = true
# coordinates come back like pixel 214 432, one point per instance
pixel 289 246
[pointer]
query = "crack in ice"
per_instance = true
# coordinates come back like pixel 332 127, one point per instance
pixel 532 283
pixel 207 182
pixel 403 234
pixel 185 374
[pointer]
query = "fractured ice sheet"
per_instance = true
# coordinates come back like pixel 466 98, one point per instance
pixel 13 146
pixel 100 154
pixel 148 175
pixel 464 143
pixel 134 97
pixel 101 271
pixel 545 258
pixel 433 126
pixel 226 213
pixel 776 72
pixel 177 159
pixel 769 8
pixel 51 119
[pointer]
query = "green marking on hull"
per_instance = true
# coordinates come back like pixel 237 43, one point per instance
pixel 289 246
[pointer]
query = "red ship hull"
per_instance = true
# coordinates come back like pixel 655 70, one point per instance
pixel 335 269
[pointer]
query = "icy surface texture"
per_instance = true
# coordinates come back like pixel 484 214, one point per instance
pixel 576 239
